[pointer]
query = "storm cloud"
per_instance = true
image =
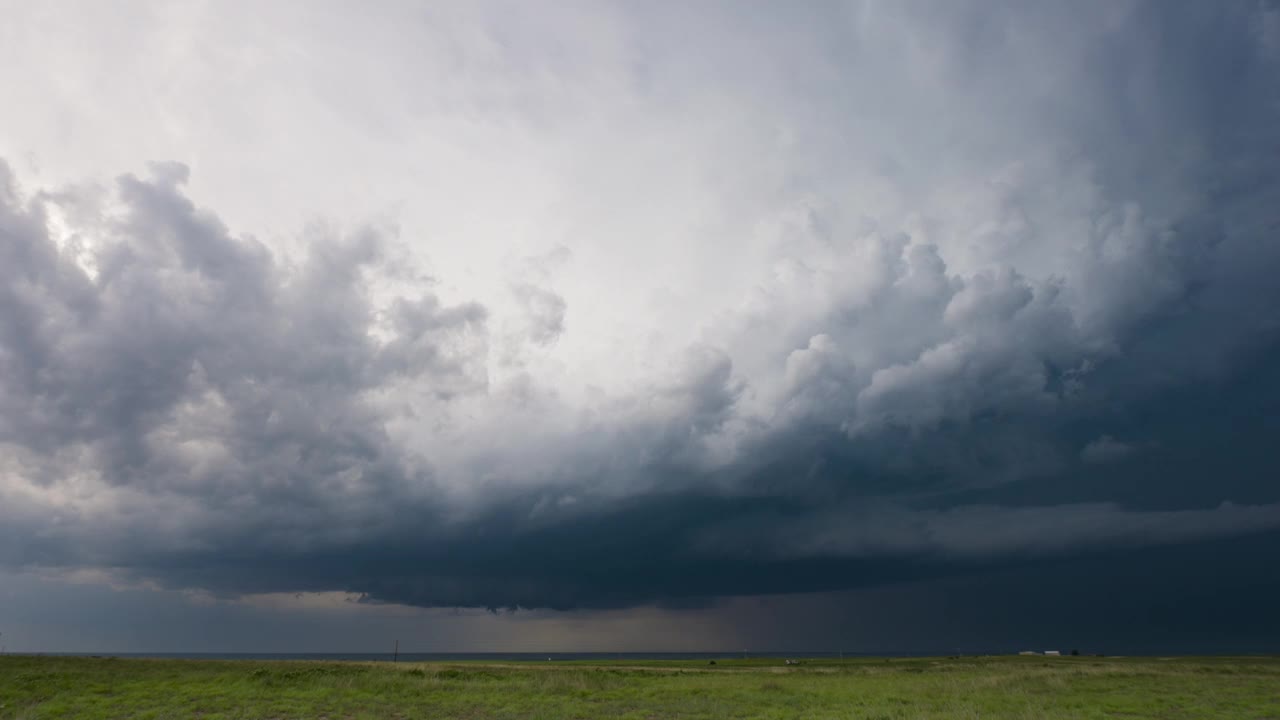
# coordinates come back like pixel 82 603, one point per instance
pixel 918 292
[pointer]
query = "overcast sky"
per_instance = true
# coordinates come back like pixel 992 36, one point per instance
pixel 639 326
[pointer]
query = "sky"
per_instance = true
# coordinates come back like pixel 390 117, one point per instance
pixel 499 326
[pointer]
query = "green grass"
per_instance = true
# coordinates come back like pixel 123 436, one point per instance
pixel 993 687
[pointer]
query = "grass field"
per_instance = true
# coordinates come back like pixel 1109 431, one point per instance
pixel 992 687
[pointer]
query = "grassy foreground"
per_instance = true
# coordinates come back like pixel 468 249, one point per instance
pixel 993 687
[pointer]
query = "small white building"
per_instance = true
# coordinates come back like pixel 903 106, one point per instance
pixel 1052 652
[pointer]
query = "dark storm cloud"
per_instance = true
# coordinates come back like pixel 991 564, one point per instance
pixel 191 373
pixel 181 405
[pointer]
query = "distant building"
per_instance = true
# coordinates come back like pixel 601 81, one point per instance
pixel 1052 652
pixel 1028 652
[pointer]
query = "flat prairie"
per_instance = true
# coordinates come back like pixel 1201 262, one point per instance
pixel 1030 687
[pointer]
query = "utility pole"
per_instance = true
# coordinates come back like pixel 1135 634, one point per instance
pixel 395 657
